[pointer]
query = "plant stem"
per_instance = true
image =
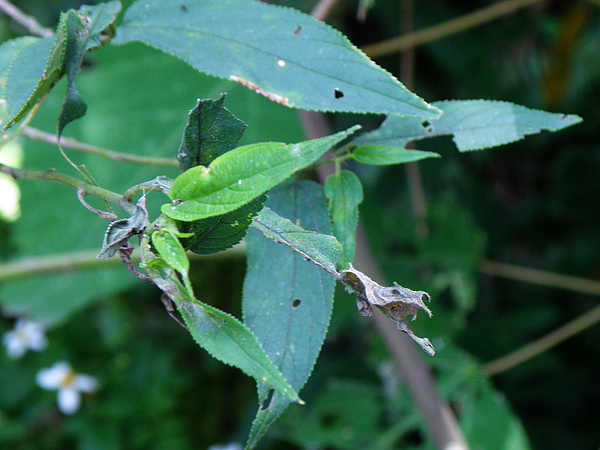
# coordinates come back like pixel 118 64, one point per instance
pixel 82 260
pixel 27 21
pixel 446 29
pixel 81 186
pixel 73 144
pixel 322 9
pixel 544 343
pixel 541 277
pixel 438 416
pixel 67 262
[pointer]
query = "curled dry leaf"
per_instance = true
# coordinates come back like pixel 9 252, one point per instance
pixel 119 231
pixel 395 302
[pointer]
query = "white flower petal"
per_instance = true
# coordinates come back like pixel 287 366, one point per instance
pixel 84 383
pixel 26 335
pixel 68 400
pixel 55 376
pixel 230 446
pixel 14 346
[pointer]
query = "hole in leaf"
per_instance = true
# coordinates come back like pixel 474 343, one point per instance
pixel 183 8
pixel 337 93
pixel 298 30
pixel 296 303
pixel 266 404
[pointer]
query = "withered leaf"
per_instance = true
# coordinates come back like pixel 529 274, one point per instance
pixel 119 231
pixel 396 302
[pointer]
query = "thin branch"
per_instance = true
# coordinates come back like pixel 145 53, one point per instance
pixel 73 144
pixel 438 416
pixel 101 214
pixel 27 21
pixel 82 187
pixel 544 343
pixel 322 9
pixel 446 29
pixel 541 277
pixel 549 279
pixel 83 260
pixel 52 264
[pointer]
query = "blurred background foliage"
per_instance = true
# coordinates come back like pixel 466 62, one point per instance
pixel 531 204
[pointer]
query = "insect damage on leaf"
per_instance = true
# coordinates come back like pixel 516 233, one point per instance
pixel 396 302
pixel 270 95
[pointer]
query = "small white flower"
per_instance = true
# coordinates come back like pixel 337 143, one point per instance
pixel 68 383
pixel 27 335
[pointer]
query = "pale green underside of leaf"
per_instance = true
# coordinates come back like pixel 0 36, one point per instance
pixel 382 155
pixel 238 176
pixel 287 301
pixel 344 192
pixel 474 125
pixel 322 249
pixel 279 52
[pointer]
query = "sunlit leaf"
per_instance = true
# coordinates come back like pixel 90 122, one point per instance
pixel 239 176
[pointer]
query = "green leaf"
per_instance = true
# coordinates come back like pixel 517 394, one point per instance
pixel 83 31
pixel 474 124
pixel 23 61
pixel 231 342
pixel 220 334
pixel 218 233
pixel 170 249
pixel 281 53
pixel 321 249
pixel 211 131
pixel 287 301
pixel 118 120
pixel 382 155
pixel 34 66
pixel 239 176
pixel 344 192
